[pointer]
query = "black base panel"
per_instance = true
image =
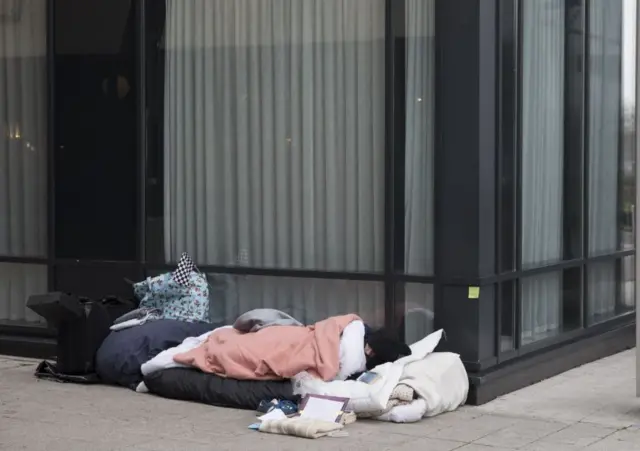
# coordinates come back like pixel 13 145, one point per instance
pixel 33 347
pixel 519 374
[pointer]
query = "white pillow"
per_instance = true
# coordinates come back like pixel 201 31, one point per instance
pixel 352 357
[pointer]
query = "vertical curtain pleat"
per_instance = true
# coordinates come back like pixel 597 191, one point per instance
pixel 604 128
pixel 23 157
pixel 543 44
pixel 274 145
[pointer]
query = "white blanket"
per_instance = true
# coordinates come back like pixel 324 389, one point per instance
pixel 441 384
pixel 422 371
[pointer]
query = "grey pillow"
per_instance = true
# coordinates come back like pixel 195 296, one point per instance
pixel 254 320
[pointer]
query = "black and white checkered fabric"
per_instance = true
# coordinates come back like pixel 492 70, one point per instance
pixel 182 273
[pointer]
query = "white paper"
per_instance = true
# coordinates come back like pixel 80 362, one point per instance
pixel 322 409
pixel 275 414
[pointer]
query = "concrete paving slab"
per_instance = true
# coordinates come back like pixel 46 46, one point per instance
pixel 589 408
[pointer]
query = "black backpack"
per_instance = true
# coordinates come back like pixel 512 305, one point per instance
pixel 82 325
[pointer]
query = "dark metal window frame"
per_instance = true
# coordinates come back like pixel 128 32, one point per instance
pixel 392 277
pixel 476 78
pixel 576 147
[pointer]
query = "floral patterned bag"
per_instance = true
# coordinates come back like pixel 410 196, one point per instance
pixel 182 295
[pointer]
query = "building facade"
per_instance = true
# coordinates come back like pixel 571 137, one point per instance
pixel 459 164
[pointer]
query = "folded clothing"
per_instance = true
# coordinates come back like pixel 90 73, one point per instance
pixel 300 427
pixel 136 317
pixel 402 394
pixel 189 384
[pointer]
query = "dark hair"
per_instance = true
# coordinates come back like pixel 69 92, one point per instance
pixel 386 347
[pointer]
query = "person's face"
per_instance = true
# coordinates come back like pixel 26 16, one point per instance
pixel 368 351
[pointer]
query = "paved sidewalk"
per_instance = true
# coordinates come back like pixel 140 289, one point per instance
pixel 589 408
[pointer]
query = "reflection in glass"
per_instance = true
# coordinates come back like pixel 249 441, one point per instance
pixel 572 299
pixel 540 320
pixel 611 289
pixel 541 310
pixel 629 134
pixel 23 129
pixel 611 124
pixel 627 285
pixel 507 316
pixel 307 300
pixel 611 150
pixel 17 282
pixel 418 317
pixel 274 125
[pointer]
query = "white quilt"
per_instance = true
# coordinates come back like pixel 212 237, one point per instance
pixel 441 384
pixel 439 379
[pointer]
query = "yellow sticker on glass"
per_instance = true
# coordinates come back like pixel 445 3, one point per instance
pixel 474 292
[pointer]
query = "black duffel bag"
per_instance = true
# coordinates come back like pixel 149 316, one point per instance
pixel 82 324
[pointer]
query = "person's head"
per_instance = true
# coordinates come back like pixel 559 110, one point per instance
pixel 382 346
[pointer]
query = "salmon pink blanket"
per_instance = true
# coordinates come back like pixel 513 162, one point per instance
pixel 276 352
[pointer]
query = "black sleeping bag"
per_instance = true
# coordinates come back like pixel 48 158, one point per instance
pixel 121 354
pixel 187 384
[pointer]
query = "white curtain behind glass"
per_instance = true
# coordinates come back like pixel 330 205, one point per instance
pixel 274 140
pixel 605 45
pixel 274 144
pixel 274 133
pixel 543 44
pixel 23 133
pixel 419 153
pixel 419 164
pixel 18 281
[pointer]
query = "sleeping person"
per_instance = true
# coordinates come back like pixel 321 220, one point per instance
pixel 273 352
pixel 381 346
pixel 281 351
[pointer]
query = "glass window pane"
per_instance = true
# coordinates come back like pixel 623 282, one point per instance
pixel 508 148
pixel 418 317
pixel 541 307
pixel 601 291
pixel 551 304
pixel 23 128
pixel 273 133
pixel 627 285
pixel 610 289
pixel 508 316
pixel 611 124
pixel 542 140
pixel 419 151
pixel 629 133
pixel 308 300
pixel 17 282
pixel 573 214
pixel 96 126
pixel 572 299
